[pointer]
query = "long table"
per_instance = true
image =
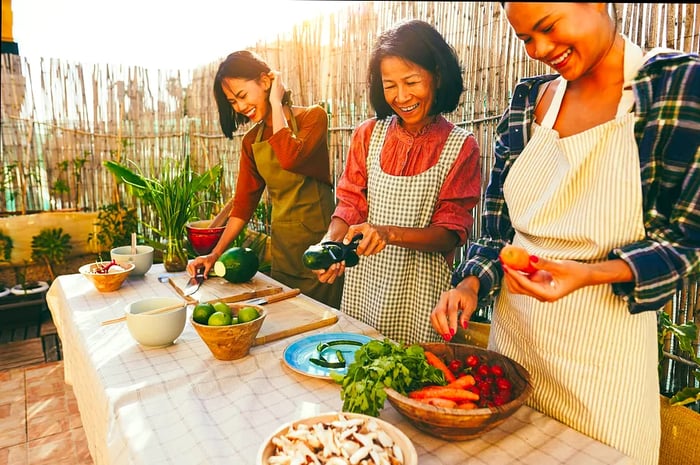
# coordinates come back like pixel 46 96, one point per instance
pixel 179 405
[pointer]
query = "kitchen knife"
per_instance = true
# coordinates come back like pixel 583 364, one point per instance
pixel 274 297
pixel 194 282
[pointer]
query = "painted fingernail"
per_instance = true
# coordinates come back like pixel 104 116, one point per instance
pixel 465 323
pixel 452 332
pixel 446 337
pixel 534 258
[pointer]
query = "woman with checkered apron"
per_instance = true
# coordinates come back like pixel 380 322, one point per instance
pixel 409 184
pixel 567 187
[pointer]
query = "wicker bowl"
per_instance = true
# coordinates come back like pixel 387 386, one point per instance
pixel 457 424
pixel 105 282
pixel 399 439
pixel 231 342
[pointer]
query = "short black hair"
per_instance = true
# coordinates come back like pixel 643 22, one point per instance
pixel 419 43
pixel 242 64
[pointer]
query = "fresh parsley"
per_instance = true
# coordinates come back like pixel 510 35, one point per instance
pixel 379 364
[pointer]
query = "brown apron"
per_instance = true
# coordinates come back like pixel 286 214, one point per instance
pixel 301 211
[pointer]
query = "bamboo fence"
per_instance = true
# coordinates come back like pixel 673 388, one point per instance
pixel 61 120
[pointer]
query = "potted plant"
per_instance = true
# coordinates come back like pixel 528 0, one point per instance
pixel 51 246
pixel 5 254
pixel 115 223
pixel 175 194
pixel 25 287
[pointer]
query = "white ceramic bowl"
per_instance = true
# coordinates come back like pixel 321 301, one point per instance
pixel 159 329
pixel 408 450
pixel 142 259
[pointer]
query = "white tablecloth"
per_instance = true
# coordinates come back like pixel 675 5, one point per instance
pixel 179 405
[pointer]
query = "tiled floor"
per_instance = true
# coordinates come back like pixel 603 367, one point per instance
pixel 39 419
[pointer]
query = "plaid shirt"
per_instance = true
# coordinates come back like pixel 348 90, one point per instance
pixel 667 130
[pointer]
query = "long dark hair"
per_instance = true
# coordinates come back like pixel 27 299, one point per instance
pixel 419 43
pixel 242 64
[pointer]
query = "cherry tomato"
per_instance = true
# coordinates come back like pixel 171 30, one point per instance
pixel 472 361
pixel 455 366
pixel 497 370
pixel 503 384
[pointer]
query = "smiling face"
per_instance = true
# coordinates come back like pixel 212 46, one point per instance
pixel 572 38
pixel 409 90
pixel 248 97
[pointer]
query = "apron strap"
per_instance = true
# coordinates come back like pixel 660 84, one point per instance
pixel 551 116
pixel 292 119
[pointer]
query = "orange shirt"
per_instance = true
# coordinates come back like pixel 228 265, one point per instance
pixel 304 153
pixel 405 155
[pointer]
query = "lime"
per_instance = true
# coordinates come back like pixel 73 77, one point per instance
pixel 219 319
pixel 223 308
pixel 247 314
pixel 202 312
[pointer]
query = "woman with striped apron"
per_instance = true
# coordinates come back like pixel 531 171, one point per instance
pixel 585 352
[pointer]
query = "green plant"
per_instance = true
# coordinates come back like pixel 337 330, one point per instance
pixel 6 246
pixel 115 223
pixel 175 193
pixel 51 246
pixel 685 334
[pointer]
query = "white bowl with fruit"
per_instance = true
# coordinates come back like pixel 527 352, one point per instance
pixel 106 276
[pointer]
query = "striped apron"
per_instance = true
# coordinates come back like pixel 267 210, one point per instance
pixel 593 364
pixel 395 290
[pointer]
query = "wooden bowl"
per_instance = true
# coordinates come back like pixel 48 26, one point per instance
pixel 107 282
pixel 410 457
pixel 457 424
pixel 231 342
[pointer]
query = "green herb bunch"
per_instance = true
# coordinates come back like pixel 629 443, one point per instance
pixel 379 364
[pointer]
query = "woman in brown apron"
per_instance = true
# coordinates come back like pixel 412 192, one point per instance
pixel 287 153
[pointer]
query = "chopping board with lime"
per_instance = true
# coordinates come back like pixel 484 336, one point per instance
pixel 294 315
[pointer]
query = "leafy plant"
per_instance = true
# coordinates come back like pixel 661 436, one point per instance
pixel 51 246
pixel 115 224
pixel 176 194
pixel 685 334
pixel 380 364
pixel 6 246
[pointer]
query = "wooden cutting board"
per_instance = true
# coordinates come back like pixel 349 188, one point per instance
pixel 285 318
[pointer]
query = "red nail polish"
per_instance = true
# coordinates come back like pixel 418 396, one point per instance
pixel 534 258
pixel 446 337
pixel 452 332
pixel 465 324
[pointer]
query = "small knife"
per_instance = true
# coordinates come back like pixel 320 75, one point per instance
pixel 274 297
pixel 194 282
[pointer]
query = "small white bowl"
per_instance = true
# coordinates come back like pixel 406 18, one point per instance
pixel 142 259
pixel 159 329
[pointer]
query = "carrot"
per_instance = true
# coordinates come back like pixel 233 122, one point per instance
pixel 443 393
pixel 437 402
pixel 466 406
pixel 462 382
pixel 437 362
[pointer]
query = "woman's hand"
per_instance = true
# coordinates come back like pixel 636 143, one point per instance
pixel 374 238
pixel 555 279
pixel 455 307
pixel 203 261
pixel 277 89
pixel 330 274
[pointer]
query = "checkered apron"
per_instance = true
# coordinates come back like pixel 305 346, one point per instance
pixel 395 290
pixel 593 364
